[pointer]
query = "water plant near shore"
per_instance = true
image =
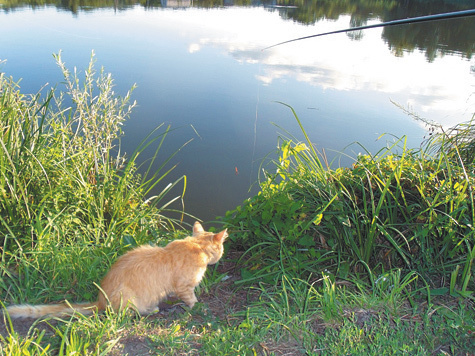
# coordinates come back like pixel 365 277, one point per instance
pixel 398 208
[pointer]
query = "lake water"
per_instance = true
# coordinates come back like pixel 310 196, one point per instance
pixel 201 68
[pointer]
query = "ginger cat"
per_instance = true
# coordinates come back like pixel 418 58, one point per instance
pixel 144 276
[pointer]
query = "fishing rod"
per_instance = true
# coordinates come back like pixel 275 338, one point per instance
pixel 448 15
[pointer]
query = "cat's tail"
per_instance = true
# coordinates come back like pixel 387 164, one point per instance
pixel 59 310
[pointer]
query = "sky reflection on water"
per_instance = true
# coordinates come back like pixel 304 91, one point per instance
pixel 204 71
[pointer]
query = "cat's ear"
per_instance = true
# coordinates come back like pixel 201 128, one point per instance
pixel 197 229
pixel 220 236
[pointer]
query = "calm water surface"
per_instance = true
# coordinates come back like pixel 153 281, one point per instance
pixel 202 70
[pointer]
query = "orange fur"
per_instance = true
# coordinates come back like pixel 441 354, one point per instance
pixel 146 275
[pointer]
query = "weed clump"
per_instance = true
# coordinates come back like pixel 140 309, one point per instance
pixel 411 209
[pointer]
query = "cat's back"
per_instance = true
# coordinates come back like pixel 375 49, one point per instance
pixel 139 256
pixel 175 254
pixel 136 264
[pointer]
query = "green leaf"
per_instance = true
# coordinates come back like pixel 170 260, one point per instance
pixel 128 240
pixel 246 274
pixel 306 241
pixel 439 291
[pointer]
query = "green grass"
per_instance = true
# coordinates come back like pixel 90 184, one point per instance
pixel 328 318
pixel 297 316
pixel 372 259
pixel 71 202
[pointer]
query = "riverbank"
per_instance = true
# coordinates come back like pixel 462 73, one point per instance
pixel 377 258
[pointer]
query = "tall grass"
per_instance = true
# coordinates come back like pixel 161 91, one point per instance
pixel 398 208
pixel 65 185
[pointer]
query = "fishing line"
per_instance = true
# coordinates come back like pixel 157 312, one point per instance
pixel 444 16
pixel 255 121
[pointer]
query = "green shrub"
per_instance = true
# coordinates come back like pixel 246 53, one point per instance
pixel 400 208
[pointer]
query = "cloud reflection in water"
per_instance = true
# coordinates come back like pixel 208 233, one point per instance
pixel 442 90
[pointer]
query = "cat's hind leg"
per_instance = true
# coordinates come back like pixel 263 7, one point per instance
pixel 143 306
pixel 126 298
